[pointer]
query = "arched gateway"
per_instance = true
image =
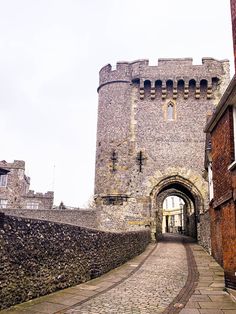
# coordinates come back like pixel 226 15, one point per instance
pixel 150 141
pixel 193 203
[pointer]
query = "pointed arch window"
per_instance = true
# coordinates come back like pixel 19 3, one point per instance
pixel 170 111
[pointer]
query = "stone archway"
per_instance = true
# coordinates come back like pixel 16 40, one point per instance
pixel 187 191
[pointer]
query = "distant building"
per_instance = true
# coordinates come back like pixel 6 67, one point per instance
pixel 173 211
pixel 14 189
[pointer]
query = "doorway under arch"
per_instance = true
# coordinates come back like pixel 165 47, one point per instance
pixel 192 205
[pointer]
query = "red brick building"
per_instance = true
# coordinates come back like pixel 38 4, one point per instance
pixel 222 163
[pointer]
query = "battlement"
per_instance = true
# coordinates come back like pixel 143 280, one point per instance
pixel 167 69
pixel 32 194
pixel 17 164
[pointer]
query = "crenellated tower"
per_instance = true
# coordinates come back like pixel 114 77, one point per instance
pixel 150 140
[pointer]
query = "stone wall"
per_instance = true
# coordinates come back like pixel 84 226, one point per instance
pixel 39 257
pixel 204 231
pixel 84 218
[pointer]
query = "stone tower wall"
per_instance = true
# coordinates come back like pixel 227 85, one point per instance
pixel 133 118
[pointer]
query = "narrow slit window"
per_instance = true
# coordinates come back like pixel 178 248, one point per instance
pixel 170 112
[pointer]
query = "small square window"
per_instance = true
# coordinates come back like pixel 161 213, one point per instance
pixel 32 205
pixel 3 203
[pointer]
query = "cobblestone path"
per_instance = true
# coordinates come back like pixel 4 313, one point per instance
pixel 149 290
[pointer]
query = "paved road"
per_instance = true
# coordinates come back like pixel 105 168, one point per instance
pixel 150 289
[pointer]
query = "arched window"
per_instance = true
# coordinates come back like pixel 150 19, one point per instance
pixel 147 88
pixel 170 111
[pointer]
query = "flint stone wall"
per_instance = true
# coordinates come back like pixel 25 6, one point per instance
pixel 39 257
pixel 204 231
pixel 85 218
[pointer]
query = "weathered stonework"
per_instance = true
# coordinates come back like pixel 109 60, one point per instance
pixel 80 217
pixel 39 257
pixel 14 189
pixel 43 200
pixel 150 139
pixel 16 183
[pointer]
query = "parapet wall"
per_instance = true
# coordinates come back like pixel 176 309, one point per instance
pixel 43 200
pixel 17 164
pixel 39 257
pixel 32 194
pixel 175 70
pixel 83 218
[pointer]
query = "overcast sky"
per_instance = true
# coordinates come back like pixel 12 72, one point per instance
pixel 50 56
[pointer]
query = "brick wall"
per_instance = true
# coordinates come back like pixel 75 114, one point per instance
pixel 39 257
pixel 222 155
pixel 216 235
pixel 222 208
pixel 229 236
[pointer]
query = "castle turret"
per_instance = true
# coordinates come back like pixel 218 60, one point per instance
pixel 150 136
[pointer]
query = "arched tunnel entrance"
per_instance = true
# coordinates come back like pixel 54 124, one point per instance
pixel 176 207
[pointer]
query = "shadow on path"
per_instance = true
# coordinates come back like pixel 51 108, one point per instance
pixel 175 238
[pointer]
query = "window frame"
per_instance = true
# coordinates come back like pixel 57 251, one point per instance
pixel 3 205
pixel 232 166
pixel 3 183
pixel 170 114
pixel 32 205
pixel 210 182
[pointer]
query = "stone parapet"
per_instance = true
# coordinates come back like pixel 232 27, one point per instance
pixel 16 164
pixel 175 70
pixel 78 217
pixel 31 193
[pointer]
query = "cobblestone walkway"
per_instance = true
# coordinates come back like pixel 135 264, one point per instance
pixel 149 290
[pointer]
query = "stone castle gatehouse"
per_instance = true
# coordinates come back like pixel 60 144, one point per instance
pixel 150 140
